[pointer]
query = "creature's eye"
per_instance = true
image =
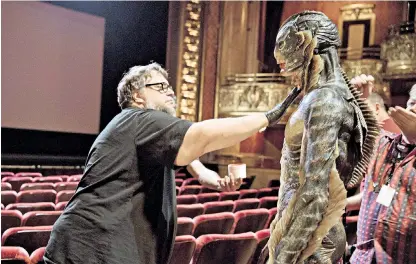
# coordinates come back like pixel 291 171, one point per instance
pixel 281 44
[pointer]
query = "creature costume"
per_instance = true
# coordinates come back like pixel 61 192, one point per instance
pixel 328 144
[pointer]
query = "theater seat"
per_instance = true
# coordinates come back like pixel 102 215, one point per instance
pixel 28 207
pixel 191 181
pixel 262 237
pixel 220 223
pixel 273 183
pixel 225 196
pixel 6 174
pixel 218 249
pixel 183 250
pixel 75 178
pixel 272 215
pixel 40 218
pixel 268 202
pixel 218 207
pixel 37 256
pixel 10 218
pixel 28 174
pixel 36 196
pixel 190 189
pixel 64 196
pixel 263 192
pixel 14 255
pixel 178 182
pixel 66 186
pixel 250 220
pixel 5 186
pixel 16 182
pixel 189 210
pixel 246 204
pixel 37 186
pixel 185 226
pixel 208 197
pixel 28 237
pixel 208 190
pixel 60 206
pixel 8 197
pixel 51 179
pixel 186 199
pixel 249 193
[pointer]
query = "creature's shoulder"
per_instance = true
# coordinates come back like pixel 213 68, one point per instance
pixel 324 97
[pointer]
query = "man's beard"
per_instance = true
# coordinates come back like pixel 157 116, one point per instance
pixel 163 108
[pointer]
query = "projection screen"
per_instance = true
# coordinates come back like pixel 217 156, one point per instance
pixel 52 61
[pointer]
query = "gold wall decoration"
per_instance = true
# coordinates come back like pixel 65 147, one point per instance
pixel 245 94
pixel 189 72
pixel 367 62
pixel 399 51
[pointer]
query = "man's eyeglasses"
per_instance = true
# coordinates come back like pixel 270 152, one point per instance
pixel 160 87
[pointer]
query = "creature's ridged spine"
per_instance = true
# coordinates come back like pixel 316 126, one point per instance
pixel 370 139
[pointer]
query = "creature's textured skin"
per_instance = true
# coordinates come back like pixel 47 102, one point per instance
pixel 328 143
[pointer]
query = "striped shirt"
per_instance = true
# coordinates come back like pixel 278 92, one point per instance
pixel 388 234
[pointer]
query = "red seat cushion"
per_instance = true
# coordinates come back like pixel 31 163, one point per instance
pixel 218 207
pixel 64 196
pixel 37 186
pixel 66 186
pixel 246 204
pixel 75 178
pixel 250 220
pixel 14 255
pixel 37 255
pixel 16 182
pixel 208 197
pixel 10 218
pixel 268 202
pixel 36 196
pixel 27 207
pixel 5 186
pixel 52 179
pixel 185 226
pixel 216 248
pixel 186 199
pixel 28 237
pixel 8 197
pixel 183 250
pixel 249 193
pixel 40 218
pixel 189 210
pixel 60 206
pixel 224 196
pixel 220 223
pixel 190 189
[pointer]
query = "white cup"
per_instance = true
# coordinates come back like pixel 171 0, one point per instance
pixel 237 170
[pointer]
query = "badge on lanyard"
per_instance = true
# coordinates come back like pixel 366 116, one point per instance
pixel 386 195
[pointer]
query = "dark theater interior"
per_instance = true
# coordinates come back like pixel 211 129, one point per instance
pixel 179 132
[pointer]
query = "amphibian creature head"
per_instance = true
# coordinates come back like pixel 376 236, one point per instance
pixel 301 37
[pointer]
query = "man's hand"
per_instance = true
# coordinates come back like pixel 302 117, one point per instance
pixel 406 120
pixel 364 83
pixel 229 183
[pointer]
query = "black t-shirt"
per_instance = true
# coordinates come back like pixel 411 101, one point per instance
pixel 124 209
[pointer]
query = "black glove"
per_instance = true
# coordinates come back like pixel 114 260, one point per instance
pixel 279 110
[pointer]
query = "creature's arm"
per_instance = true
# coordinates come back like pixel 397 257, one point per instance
pixel 322 123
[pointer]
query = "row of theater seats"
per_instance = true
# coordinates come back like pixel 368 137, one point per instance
pixel 17 182
pixel 37 226
pixel 35 196
pixel 226 223
pixel 242 248
pixel 224 196
pixel 192 210
pixel 197 189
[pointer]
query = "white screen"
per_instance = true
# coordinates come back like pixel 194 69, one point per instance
pixel 51 63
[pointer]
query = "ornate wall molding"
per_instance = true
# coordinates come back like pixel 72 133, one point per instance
pixel 253 93
pixel 399 51
pixel 189 71
pixel 356 12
